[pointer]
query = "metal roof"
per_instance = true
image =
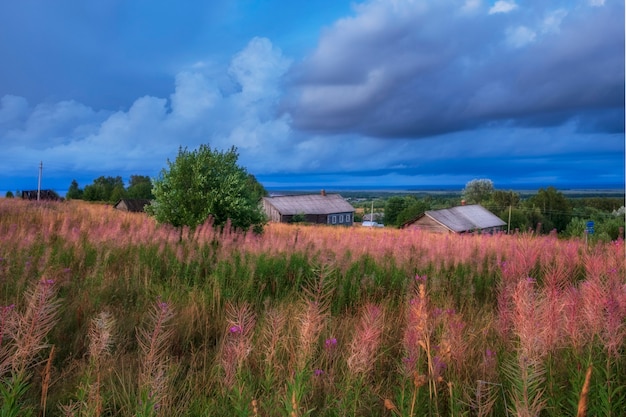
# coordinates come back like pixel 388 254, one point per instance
pixel 466 218
pixel 310 204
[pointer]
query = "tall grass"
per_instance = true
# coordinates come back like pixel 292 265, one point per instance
pixel 306 320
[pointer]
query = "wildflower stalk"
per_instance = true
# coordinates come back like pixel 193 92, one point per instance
pixel 236 348
pixel 527 376
pixel 154 345
pixel 294 397
pixel 584 394
pixel 89 401
pixel 26 333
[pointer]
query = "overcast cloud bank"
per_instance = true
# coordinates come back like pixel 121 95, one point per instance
pixel 398 93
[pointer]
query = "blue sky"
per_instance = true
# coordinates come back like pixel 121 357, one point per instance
pixel 325 93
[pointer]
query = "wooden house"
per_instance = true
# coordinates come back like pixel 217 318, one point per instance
pixel 461 219
pixel 321 208
pixel 48 195
pixel 135 205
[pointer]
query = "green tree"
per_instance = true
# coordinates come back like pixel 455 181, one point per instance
pixel 519 220
pixel 140 187
pixel 502 198
pixel 118 193
pixel 9 194
pixel 74 193
pixel 411 212
pixel 393 207
pixel 554 207
pixel 478 191
pixel 204 183
pixel 102 189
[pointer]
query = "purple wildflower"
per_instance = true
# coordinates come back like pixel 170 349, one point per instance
pixel 420 279
pixel 331 343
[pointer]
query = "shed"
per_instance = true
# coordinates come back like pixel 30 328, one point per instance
pixel 135 205
pixel 320 208
pixel 460 219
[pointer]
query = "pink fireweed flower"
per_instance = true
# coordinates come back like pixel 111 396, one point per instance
pixel 408 365
pixel 438 366
pixel 330 343
pixel 420 279
pixel 163 306
pixel 318 372
pixel 235 329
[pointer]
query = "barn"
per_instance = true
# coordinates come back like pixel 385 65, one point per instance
pixel 321 208
pixel 135 205
pixel 461 219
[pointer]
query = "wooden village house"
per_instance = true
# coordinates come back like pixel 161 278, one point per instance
pixel 461 219
pixel 135 205
pixel 321 208
pixel 48 195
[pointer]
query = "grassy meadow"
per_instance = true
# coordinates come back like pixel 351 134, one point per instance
pixel 105 313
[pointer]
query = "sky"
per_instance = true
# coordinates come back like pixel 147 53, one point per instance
pixel 332 94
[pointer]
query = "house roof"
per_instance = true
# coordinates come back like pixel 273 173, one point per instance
pixel 310 204
pixel 134 204
pixel 465 218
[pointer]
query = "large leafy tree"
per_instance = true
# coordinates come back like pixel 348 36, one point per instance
pixel 394 206
pixel 140 187
pixel 554 206
pixel 203 183
pixel 505 198
pixel 413 211
pixel 478 191
pixel 105 189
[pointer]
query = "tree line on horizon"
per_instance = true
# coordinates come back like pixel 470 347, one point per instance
pixel 224 190
pixel 111 189
pixel 543 212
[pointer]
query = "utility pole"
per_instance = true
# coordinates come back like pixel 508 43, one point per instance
pixel 39 181
pixel 508 232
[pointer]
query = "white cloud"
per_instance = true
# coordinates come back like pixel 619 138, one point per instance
pixel 596 3
pixel 552 21
pixel 258 69
pixel 47 124
pixel 471 5
pixel 503 6
pixel 520 36
pixel 194 95
pixel 153 128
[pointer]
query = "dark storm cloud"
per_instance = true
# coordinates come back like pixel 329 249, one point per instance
pixel 517 91
pixel 427 68
pixel 101 53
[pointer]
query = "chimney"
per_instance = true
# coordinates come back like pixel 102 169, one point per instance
pixel 323 193
pixel 462 202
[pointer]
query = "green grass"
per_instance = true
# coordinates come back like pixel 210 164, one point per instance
pixel 472 327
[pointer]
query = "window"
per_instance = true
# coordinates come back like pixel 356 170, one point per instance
pixel 347 218
pixel 341 218
pixel 334 219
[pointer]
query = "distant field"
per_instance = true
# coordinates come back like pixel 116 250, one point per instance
pixel 106 313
